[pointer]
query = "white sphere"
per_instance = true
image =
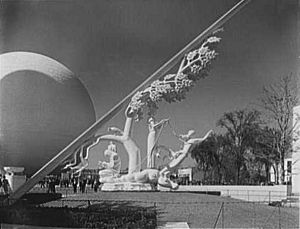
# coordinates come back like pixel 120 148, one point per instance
pixel 43 107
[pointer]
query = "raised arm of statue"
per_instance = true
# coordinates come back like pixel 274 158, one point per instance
pixel 199 140
pixel 160 123
pixel 115 130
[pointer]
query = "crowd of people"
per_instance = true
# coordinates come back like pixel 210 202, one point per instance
pixel 4 185
pixel 78 184
pixel 81 183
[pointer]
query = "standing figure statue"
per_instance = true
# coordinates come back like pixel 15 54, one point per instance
pixel 112 168
pixel 152 140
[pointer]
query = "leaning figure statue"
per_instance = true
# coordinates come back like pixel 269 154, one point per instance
pixel 153 128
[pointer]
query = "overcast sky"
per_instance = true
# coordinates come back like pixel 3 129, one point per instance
pixel 113 46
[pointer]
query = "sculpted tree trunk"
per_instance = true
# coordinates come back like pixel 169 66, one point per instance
pixel 124 137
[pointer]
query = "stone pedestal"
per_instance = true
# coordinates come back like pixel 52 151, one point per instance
pixel 126 187
pixel 15 177
pixel 163 189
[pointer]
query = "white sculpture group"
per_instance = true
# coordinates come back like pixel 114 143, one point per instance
pixel 171 88
pixel 150 174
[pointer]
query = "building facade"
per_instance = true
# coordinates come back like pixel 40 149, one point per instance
pixel 296 151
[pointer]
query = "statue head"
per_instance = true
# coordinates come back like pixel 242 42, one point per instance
pixel 167 183
pixel 186 137
pixel 112 147
pixel 151 120
pixel 108 153
pixel 111 150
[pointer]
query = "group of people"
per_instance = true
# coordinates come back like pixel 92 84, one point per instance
pixel 79 184
pixel 82 183
pixel 4 185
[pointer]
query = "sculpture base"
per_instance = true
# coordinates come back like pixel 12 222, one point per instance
pixel 126 187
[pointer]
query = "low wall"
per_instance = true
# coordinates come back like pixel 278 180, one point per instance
pixel 243 192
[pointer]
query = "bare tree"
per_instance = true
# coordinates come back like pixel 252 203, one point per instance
pixel 279 100
pixel 265 151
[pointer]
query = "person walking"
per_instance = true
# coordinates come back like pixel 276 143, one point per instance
pixel 1 186
pixel 5 185
pixel 84 181
pixel 74 184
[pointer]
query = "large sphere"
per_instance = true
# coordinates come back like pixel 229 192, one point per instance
pixel 43 107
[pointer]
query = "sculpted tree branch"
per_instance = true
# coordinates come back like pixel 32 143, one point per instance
pixel 173 87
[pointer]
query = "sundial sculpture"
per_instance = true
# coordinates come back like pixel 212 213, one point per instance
pixel 171 88
pixel 139 99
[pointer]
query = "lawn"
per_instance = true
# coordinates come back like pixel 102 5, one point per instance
pixel 198 210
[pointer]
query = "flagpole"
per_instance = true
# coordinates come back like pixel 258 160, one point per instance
pixel 68 150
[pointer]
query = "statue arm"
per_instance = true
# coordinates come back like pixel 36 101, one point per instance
pixel 160 123
pixel 111 137
pixel 199 140
pixel 115 130
pixel 104 164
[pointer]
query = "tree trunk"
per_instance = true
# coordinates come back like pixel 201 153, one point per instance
pixel 237 178
pixel 276 173
pixel 267 167
pixel 204 175
pixel 281 172
pixel 219 176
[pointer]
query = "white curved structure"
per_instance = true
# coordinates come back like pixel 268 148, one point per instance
pixel 19 61
pixel 43 107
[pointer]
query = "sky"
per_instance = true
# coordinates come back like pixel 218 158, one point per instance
pixel 113 46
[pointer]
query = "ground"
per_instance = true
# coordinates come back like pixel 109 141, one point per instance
pixel 198 210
